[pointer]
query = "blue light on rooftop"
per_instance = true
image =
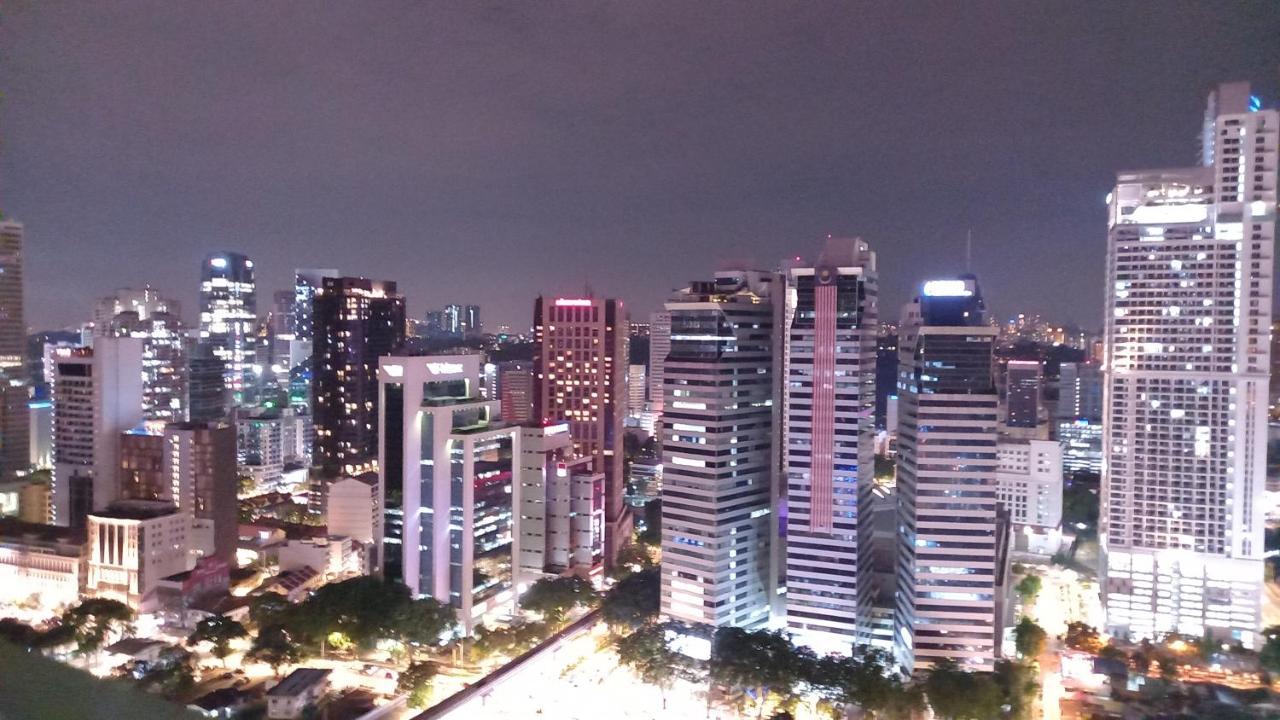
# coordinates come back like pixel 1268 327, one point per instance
pixel 1255 103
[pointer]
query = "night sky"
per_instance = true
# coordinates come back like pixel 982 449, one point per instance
pixel 482 153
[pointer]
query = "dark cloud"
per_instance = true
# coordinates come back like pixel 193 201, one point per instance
pixel 484 152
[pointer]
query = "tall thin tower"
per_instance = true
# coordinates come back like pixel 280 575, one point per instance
pixel 14 427
pixel 1189 281
pixel 829 425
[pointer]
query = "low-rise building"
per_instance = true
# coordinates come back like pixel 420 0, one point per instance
pixel 133 545
pixel 334 557
pixel 353 508
pixel 303 688
pixel 41 564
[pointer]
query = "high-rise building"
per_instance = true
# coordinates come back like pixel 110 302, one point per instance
pixel 192 467
pixel 208 398
pixel 515 389
pixel 951 553
pixel 1080 391
pixel 97 395
pixel 229 315
pixel 1081 442
pixel 446 464
pixel 720 446
pixel 1022 393
pixel 306 282
pixel 580 378
pixel 636 388
pixel 14 382
pixel 828 441
pixel 356 321
pixel 454 320
pixel 559 507
pixel 471 320
pixel 1190 254
pixel 157 322
pixel 659 346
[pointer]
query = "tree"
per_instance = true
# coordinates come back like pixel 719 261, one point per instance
pixel 218 631
pixel 646 652
pixel 553 597
pixel 959 695
pixel 416 681
pixel 652 533
pixel 1017 682
pixel 1029 638
pixel 19 633
pixel 634 601
pixel 1028 587
pixel 274 647
pixel 269 608
pixel 93 620
pixel 632 558
pixel 862 679
pixel 1269 655
pixel 761 661
pixel 510 641
pixel 1084 638
pixel 421 623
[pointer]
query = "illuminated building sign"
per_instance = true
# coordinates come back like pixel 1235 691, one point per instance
pixel 947 288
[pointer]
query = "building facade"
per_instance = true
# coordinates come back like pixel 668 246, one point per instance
pixel 14 381
pixel 156 321
pixel 229 316
pixel 828 435
pixel 1189 277
pixel 1029 481
pixel 949 563
pixel 559 503
pixel 1023 380
pixel 580 378
pixel 719 449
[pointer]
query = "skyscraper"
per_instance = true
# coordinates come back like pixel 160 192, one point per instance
pixel 446 469
pixel 356 321
pixel 229 315
pixel 1080 391
pixel 1189 276
pixel 306 282
pixel 156 321
pixel 97 395
pixel 1022 393
pixel 515 389
pixel 471 320
pixel 720 448
pixel 950 552
pixel 659 346
pixel 14 381
pixel 580 378
pixel 207 396
pixel 828 414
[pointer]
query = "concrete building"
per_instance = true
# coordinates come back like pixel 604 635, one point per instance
pixel 14 382
pixel 1029 481
pixel 1190 255
pixel 1081 442
pixel 559 502
pixel 306 282
pixel 719 442
pixel 1023 380
pixel 40 434
pixel 354 509
pixel 132 546
pixel 41 564
pixel 515 388
pixel 580 378
pixel 97 396
pixel 1080 391
pixel 949 561
pixel 659 346
pixel 445 462
pixel 636 389
pixel 156 321
pixel 828 436
pixel 303 688
pixel 229 316
pixel 356 321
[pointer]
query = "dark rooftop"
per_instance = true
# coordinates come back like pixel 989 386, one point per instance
pixel 298 681
pixel 137 510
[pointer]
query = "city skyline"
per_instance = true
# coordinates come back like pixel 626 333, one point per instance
pixel 782 147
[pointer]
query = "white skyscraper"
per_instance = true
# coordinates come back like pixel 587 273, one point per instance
pixel 157 321
pixel 828 435
pixel 952 549
pixel 719 449
pixel 1189 263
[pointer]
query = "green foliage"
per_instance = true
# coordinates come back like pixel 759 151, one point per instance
pixel 863 679
pixel 19 633
pixel 1269 655
pixel 1083 637
pixel 632 558
pixel 509 641
pixel 762 661
pixel 1017 682
pixel 1029 587
pixel 634 601
pixel 93 620
pixel 646 652
pixel 652 534
pixel 1080 503
pixel 268 609
pixel 173 675
pixel 1029 638
pixel 885 467
pixel 218 631
pixel 275 647
pixel 416 682
pixel 959 695
pixel 553 597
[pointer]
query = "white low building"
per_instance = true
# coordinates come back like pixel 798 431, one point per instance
pixel 40 564
pixel 132 546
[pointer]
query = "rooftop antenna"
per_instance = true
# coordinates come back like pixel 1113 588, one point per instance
pixel 968 251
